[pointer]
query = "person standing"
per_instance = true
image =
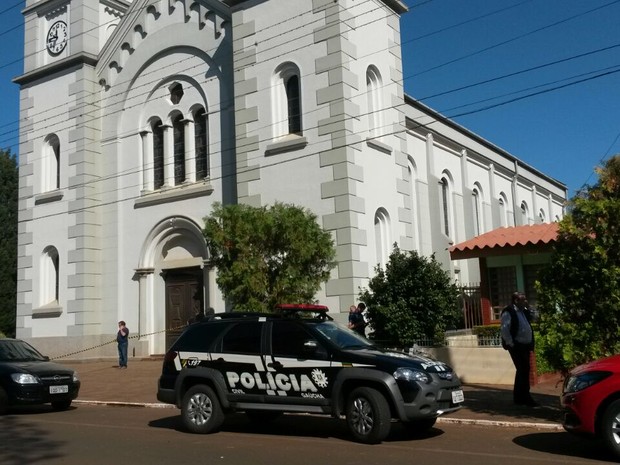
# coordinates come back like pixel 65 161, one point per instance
pixel 518 340
pixel 356 319
pixel 122 339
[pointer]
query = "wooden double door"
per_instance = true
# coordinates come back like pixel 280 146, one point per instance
pixel 184 297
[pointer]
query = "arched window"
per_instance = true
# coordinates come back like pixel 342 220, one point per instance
pixel 373 94
pixel 382 236
pixel 51 163
pixel 444 186
pixel 201 134
pixel 503 209
pixel 476 201
pixel 287 108
pixel 541 216
pixel 50 270
pixel 413 201
pixel 158 154
pixel 294 105
pixel 525 213
pixel 178 131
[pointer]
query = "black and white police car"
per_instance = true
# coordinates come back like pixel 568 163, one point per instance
pixel 298 359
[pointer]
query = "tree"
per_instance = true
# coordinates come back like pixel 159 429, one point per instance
pixel 412 299
pixel 8 241
pixel 579 291
pixel 267 256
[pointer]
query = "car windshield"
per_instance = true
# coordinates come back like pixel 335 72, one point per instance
pixel 18 351
pixel 342 337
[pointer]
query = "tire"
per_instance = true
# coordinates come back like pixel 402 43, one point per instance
pixel 368 415
pixel 610 427
pixel 263 416
pixel 420 426
pixel 201 411
pixel 61 404
pixel 4 401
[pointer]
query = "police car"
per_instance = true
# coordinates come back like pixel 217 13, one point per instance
pixel 299 359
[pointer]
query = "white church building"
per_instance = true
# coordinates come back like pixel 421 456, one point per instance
pixel 137 116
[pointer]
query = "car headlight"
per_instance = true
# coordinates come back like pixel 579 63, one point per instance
pixel 579 382
pixel 24 378
pixel 409 374
pixel 75 377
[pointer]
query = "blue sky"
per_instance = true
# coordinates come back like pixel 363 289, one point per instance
pixel 533 52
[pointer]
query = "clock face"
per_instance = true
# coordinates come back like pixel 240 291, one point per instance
pixel 57 37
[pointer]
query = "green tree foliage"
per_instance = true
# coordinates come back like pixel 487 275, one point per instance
pixel 579 292
pixel 8 241
pixel 412 299
pixel 268 255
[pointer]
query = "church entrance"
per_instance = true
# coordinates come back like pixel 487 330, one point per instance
pixel 184 296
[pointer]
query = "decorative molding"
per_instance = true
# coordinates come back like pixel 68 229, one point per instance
pixel 174 194
pixel 48 197
pixel 290 143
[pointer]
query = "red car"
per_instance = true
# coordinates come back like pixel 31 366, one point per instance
pixel 591 401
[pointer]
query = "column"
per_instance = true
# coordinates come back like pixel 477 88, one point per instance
pixel 148 164
pixel 190 151
pixel 168 155
pixel 143 274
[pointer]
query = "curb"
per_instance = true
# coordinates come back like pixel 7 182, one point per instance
pixel 447 420
pixel 113 403
pixel 502 423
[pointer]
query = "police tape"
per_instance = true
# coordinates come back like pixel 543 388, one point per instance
pixel 113 341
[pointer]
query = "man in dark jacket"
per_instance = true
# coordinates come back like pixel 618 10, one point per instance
pixel 518 339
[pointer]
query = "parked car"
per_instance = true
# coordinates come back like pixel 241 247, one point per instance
pixel 28 378
pixel 591 401
pixel 299 359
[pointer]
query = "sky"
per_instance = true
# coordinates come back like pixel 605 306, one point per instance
pixel 538 78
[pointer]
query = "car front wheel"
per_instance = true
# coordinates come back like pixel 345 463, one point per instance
pixel 201 411
pixel 611 427
pixel 368 415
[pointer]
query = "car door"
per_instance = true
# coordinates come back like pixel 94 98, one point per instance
pixel 299 367
pixel 237 355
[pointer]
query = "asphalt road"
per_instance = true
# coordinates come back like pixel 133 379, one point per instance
pixel 132 435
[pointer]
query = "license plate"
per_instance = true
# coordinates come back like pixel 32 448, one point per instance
pixel 64 389
pixel 458 397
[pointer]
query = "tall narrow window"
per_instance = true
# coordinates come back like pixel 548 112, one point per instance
pixel 413 202
pixel 158 154
pixel 178 130
pixel 477 210
pixel 525 213
pixel 382 236
pixel 294 105
pixel 503 209
pixel 445 205
pixel 50 269
pixel 373 94
pixel 51 163
pixel 201 134
pixel 286 103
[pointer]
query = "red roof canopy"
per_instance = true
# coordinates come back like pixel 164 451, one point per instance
pixel 507 241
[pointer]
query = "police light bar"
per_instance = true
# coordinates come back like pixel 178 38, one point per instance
pixel 317 311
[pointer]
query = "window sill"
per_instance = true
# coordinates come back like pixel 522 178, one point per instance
pixel 174 194
pixel 378 145
pixel 288 143
pixel 51 310
pixel 49 197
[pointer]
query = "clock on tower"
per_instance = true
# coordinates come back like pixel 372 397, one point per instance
pixel 57 37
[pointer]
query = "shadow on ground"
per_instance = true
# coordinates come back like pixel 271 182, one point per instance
pixel 497 404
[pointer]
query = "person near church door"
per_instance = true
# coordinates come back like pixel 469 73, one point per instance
pixel 122 339
pixel 518 339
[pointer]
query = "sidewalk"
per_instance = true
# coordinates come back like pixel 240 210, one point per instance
pixel 103 382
